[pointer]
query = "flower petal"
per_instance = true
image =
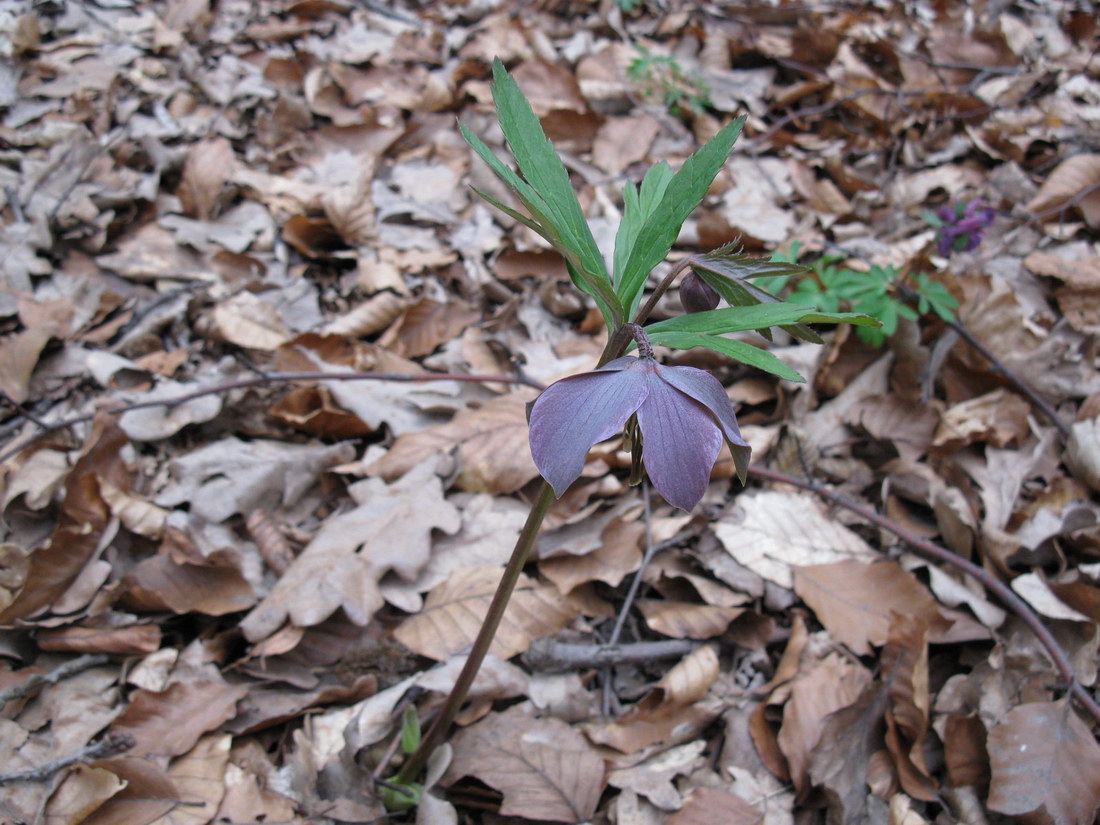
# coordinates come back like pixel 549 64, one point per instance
pixel 706 389
pixel 680 443
pixel 579 411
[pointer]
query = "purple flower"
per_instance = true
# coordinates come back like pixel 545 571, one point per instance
pixel 683 414
pixel 962 226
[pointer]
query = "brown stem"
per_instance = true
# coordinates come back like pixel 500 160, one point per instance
pixel 993 585
pixel 412 769
pixel 661 289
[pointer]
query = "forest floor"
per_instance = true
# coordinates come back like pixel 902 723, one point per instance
pixel 228 572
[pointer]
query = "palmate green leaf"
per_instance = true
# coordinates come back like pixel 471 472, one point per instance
pixel 759 316
pixel 682 195
pixel 543 169
pixel 737 350
pixel 596 285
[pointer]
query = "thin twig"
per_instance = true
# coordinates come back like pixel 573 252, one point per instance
pixel 63 671
pixel 548 654
pixel 274 378
pixel 993 585
pixel 109 745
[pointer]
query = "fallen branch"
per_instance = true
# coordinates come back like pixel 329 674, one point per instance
pixel 1001 591
pixel 111 744
pixel 550 655
pixel 63 671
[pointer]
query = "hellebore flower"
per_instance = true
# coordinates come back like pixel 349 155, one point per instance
pixel 683 414
pixel 962 225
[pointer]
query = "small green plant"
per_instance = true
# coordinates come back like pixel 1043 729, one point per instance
pixel 661 76
pixel 879 292
pixel 628 5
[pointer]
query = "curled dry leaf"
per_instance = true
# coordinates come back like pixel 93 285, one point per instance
pixel 369 317
pixel 686 620
pixel 157 422
pixel 454 611
pixel 1072 183
pixel 208 167
pixel 544 768
pixel 1045 761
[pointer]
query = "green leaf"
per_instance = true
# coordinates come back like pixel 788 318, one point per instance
pixel 400 797
pixel 541 166
pixel 410 731
pixel 637 207
pixel 734 319
pixel 682 195
pixel 737 350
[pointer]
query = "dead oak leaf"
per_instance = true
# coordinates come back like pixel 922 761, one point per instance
pixel 340 568
pixel 544 768
pixel 454 611
pixel 1044 759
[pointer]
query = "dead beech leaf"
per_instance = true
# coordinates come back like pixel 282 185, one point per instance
pixel 249 321
pixel 18 357
pixel 653 777
pixel 1083 452
pixel 617 556
pixel 148 793
pixel 312 410
pixel 133 640
pixel 426 324
pixel 199 777
pixel 170 722
pixel 545 769
pixel 82 791
pixel 855 600
pixel 209 166
pixel 834 683
pixel 1044 760
pixel 454 611
pixel 138 515
pixel 491 444
pixel 340 568
pixel 890 417
pixel 1067 186
pixel 369 317
pixel 180 579
pixel 999 417
pixel 905 672
pixel 771 532
pixel 714 806
pixel 686 620
pixel 82 519
pixel 157 422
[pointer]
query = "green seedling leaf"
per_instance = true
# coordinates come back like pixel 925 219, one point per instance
pixel 737 350
pixel 400 797
pixel 410 731
pixel 935 296
pixel 681 196
pixel 760 316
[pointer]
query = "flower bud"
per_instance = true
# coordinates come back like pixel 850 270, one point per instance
pixel 696 294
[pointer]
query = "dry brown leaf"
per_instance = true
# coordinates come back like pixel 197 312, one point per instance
pixel 312 410
pixel 83 517
pixel 855 600
pixel 82 791
pixel 999 417
pixel 148 793
pixel 209 166
pixel 136 513
pixel 425 325
pixel 770 532
pixel 617 556
pixel 714 806
pixel 686 620
pixel 1044 760
pixel 199 777
pixel 1072 183
pixel 834 683
pixel 1083 452
pixel 171 722
pixel 905 673
pixel 667 710
pixel 544 768
pixel 18 357
pixel 369 317
pixel 491 444
pixel 889 417
pixel 249 321
pixel 653 777
pixel 454 611
pixel 135 640
pixel 180 579
pixel 340 568
pixel 965 752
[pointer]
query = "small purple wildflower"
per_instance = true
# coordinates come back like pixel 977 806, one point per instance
pixel 683 414
pixel 962 225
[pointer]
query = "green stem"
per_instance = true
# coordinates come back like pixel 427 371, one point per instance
pixel 412 769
